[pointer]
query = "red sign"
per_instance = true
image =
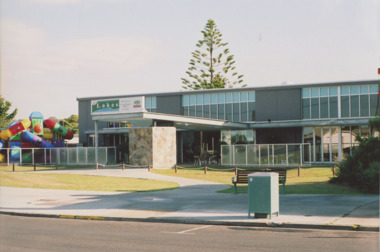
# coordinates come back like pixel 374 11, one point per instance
pixel 378 71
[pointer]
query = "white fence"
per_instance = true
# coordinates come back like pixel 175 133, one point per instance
pixel 265 154
pixel 79 155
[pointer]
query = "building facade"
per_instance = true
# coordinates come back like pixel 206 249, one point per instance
pixel 326 117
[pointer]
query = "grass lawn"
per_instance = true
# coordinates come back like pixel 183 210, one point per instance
pixel 26 179
pixel 311 181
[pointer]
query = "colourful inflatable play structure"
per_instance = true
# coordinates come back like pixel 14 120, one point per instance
pixel 34 132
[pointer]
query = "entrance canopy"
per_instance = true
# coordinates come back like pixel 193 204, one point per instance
pixel 179 121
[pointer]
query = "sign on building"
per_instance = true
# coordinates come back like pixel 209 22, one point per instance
pixel 118 105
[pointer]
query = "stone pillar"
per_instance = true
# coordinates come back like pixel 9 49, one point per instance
pixel 156 146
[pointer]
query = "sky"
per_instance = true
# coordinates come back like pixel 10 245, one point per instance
pixel 54 51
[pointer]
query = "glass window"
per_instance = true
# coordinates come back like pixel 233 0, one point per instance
pixel 314 92
pixel 333 91
pixel 355 106
pixel 192 100
pixel 314 107
pixel 186 111
pixel 228 97
pixel 345 106
pixel 206 111
pixel 185 100
pixel 251 96
pixel 229 111
pixel 345 90
pixel 333 107
pixel 236 96
pixel 251 111
pixel 354 90
pixel 199 111
pixel 364 89
pixel 324 107
pixel 324 91
pixel 373 103
pixel 154 102
pixel 148 102
pixel 236 111
pixel 221 98
pixel 244 96
pixel 199 99
pixel 306 93
pixel 214 99
pixel 373 89
pixel 221 112
pixel 364 105
pixel 244 111
pixel 206 99
pixel 214 111
pixel 191 110
pixel 306 108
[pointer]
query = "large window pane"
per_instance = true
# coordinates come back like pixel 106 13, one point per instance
pixel 186 111
pixel 364 89
pixel 354 90
pixel 314 107
pixel 244 112
pixel 373 103
pixel 333 91
pixel 221 112
pixel 221 98
pixel 244 96
pixel 345 106
pixel 333 107
pixel 199 111
pixel 251 111
pixel 324 91
pixel 364 105
pixel 214 99
pixel 324 107
pixel 251 96
pixel 236 97
pixel 199 99
pixel 206 99
pixel 192 100
pixel 206 111
pixel 191 110
pixel 354 106
pixel 228 97
pixel 229 111
pixel 236 111
pixel 214 111
pixel 315 92
pixel 345 90
pixel 306 108
pixel 306 93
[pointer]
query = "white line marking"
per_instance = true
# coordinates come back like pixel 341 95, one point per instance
pixel 186 231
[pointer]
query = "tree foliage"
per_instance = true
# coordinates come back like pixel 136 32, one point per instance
pixel 71 123
pixel 212 65
pixel 6 117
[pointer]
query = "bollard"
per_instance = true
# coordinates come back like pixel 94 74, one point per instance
pixel 123 167
pixel 96 166
pixel 236 170
pixel 205 169
pixel 148 167
pixel 56 166
pixel 34 167
pixel 176 168
pixel 299 171
pixel 13 168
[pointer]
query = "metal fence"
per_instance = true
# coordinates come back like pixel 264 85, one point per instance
pixel 79 155
pixel 265 154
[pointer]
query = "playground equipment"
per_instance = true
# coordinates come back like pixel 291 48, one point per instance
pixel 30 133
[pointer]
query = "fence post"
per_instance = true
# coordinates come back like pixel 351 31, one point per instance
pixel 205 169
pixel 96 166
pixel 123 167
pixel 148 167
pixel 56 166
pixel 176 168
pixel 236 170
pixel 299 171
pixel 34 167
pixel 13 168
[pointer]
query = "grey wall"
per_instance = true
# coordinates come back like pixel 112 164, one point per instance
pixel 280 104
pixel 169 104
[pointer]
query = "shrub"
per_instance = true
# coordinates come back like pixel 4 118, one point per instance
pixel 361 169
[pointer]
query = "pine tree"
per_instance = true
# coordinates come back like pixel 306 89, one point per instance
pixel 212 65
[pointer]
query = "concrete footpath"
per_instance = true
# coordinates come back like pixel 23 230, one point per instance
pixel 194 201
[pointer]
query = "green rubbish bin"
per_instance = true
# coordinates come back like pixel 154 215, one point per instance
pixel 263 198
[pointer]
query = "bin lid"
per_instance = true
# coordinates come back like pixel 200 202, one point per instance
pixel 263 174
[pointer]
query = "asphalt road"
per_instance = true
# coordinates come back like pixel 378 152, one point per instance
pixel 45 234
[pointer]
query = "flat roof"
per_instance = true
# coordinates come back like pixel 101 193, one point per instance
pixel 259 88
